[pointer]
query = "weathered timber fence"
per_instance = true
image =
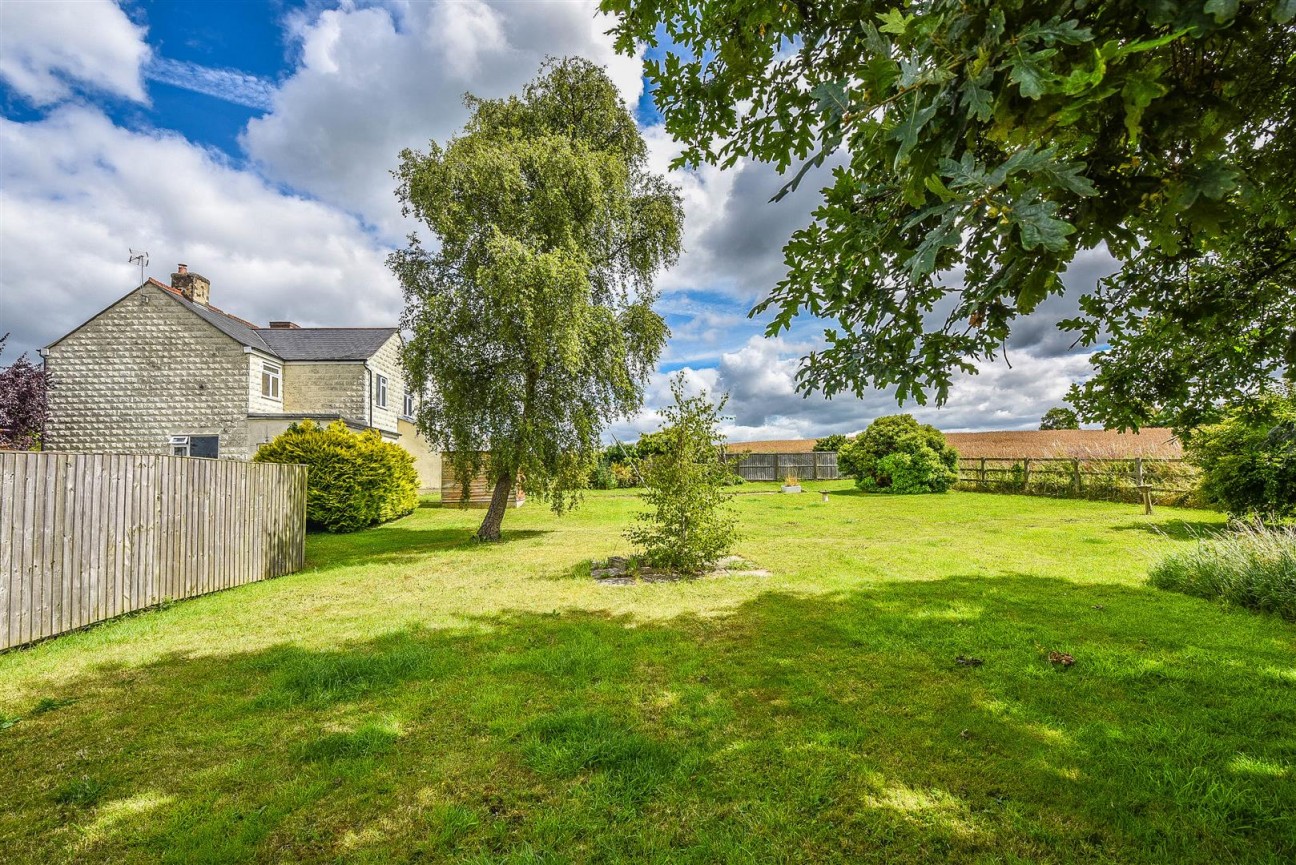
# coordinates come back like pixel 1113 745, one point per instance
pixel 86 537
pixel 1167 481
pixel 817 466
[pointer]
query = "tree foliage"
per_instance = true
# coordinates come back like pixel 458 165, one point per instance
pixel 24 403
pixel 1190 335
pixel 354 480
pixel 993 141
pixel 1248 460
pixel 897 454
pixel 690 525
pixel 830 443
pixel 1060 417
pixel 532 319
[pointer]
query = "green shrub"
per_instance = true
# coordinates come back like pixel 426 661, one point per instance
pixel 354 480
pixel 690 525
pixel 916 468
pixel 897 454
pixel 1252 567
pixel 829 444
pixel 1248 460
pixel 603 478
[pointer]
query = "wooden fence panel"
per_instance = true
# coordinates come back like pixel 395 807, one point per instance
pixel 87 537
pixel 817 466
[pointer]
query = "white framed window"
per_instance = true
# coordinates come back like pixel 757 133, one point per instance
pixel 380 392
pixel 271 380
pixel 207 447
pixel 409 404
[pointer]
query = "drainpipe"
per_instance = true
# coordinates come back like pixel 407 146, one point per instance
pixel 370 394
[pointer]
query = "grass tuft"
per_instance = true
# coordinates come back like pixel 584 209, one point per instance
pixel 83 792
pixel 368 740
pixel 1253 567
pixel 569 744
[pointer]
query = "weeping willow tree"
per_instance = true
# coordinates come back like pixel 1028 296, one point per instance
pixel 531 319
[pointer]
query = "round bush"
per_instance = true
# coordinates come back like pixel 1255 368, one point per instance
pixel 897 454
pixel 353 479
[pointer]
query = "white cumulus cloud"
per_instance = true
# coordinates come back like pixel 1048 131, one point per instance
pixel 50 47
pixel 77 191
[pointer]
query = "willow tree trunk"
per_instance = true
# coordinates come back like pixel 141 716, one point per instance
pixel 490 527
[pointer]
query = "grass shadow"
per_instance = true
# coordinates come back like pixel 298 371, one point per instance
pixel 395 543
pixel 836 728
pixel 1179 530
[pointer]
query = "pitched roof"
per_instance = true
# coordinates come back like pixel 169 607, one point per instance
pixel 297 343
pixel 325 343
pixel 243 331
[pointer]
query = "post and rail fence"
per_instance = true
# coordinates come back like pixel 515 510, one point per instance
pixel 1144 480
pixel 88 537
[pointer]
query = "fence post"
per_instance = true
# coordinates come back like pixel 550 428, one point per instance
pixel 1025 474
pixel 778 476
pixel 983 474
pixel 1138 471
pixel 1075 477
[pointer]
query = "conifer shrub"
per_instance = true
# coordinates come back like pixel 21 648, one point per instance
pixel 354 480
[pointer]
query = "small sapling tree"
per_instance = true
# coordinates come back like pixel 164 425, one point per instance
pixel 531 322
pixel 691 524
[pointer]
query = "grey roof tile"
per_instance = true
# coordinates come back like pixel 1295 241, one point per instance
pixel 297 343
pixel 326 343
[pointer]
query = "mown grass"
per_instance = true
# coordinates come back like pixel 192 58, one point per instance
pixel 1254 567
pixel 412 696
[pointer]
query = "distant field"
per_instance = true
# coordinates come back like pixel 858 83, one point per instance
pixel 1151 442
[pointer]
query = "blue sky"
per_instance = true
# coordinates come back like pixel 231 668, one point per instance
pixel 252 140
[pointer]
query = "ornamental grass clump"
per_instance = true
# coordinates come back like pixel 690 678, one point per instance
pixel 353 480
pixel 690 525
pixel 1253 566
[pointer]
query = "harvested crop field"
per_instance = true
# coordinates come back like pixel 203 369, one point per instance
pixel 1095 444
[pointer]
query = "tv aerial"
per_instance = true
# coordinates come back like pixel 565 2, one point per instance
pixel 140 258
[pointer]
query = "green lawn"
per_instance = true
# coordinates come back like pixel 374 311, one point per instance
pixel 412 696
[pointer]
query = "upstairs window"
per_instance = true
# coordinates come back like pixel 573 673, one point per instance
pixel 271 376
pixel 380 395
pixel 409 404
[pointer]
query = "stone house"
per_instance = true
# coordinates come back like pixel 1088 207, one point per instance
pixel 163 371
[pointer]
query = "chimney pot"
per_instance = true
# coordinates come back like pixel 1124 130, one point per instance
pixel 182 268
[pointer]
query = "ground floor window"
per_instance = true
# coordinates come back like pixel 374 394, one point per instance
pixel 207 447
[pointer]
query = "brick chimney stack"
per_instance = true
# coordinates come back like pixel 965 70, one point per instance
pixel 191 286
